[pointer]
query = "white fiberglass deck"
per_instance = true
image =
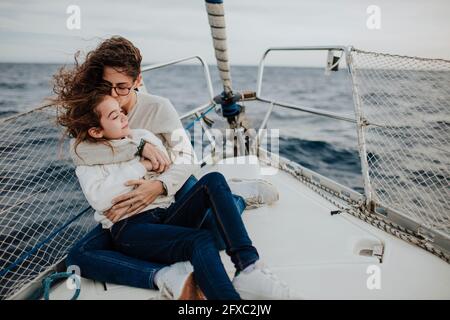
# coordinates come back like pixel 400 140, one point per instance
pixel 316 253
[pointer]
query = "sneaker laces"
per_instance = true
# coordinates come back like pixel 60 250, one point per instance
pixel 165 293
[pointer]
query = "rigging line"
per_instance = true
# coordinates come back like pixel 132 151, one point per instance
pixel 198 118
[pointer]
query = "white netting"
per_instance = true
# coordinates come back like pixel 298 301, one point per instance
pixel 406 101
pixel 39 194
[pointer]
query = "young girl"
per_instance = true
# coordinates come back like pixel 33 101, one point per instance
pixel 102 183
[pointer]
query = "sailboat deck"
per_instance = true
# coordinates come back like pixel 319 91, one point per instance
pixel 317 254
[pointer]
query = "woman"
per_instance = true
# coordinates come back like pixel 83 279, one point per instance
pixel 115 67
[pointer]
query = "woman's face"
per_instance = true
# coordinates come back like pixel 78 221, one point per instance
pixel 122 82
pixel 114 123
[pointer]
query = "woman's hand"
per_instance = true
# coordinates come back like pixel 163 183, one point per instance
pixel 160 162
pixel 145 192
pixel 147 164
pixel 117 214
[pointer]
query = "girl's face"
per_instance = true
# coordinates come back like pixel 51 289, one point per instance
pixel 114 123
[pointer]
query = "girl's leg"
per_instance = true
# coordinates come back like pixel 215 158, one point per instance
pixel 169 244
pixel 212 191
pixel 209 222
pixel 252 280
pixel 95 256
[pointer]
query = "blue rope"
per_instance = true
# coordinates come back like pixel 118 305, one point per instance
pixel 39 245
pixel 47 282
pixel 195 120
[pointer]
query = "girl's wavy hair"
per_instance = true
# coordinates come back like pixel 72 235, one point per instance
pixel 81 88
pixel 80 117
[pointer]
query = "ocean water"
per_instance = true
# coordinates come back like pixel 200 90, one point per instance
pixel 322 144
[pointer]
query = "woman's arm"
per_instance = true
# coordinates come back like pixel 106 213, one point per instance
pixel 90 154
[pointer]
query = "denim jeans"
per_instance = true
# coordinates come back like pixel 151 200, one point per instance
pixel 94 254
pixel 173 234
pixel 97 259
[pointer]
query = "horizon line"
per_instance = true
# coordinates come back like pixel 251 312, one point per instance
pixel 182 64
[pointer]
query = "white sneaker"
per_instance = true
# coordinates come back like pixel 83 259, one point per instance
pixel 177 283
pixel 256 192
pixel 260 284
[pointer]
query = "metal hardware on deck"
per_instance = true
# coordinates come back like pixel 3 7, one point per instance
pixel 248 95
pixel 332 62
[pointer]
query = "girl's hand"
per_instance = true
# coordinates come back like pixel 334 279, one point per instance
pixel 160 162
pixel 145 192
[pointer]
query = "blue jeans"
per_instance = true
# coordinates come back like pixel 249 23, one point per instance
pixel 94 254
pixel 173 234
pixel 97 258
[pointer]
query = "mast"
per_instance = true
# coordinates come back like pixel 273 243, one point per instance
pixel 231 110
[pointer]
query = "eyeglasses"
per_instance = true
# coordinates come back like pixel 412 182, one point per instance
pixel 120 91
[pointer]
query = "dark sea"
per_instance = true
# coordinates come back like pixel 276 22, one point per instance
pixel 322 144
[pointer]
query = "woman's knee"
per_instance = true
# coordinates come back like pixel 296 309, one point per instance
pixel 96 239
pixel 78 250
pixel 74 256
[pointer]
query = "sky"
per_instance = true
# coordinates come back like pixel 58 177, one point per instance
pixel 36 31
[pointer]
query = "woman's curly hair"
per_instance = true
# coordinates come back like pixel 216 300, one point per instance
pixel 81 88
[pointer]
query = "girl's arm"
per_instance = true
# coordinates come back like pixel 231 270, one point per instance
pixel 102 183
